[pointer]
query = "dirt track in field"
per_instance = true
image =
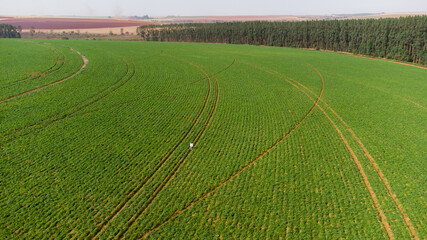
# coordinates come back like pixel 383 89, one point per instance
pixel 364 177
pixel 157 94
pixel 355 159
pixel 76 105
pixel 124 204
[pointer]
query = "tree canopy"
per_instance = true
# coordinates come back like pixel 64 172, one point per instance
pixel 401 39
pixel 9 31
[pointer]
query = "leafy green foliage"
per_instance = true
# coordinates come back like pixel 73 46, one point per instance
pixel 403 39
pixel 106 155
pixel 8 31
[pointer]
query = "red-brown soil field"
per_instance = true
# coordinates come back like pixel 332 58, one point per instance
pixel 70 23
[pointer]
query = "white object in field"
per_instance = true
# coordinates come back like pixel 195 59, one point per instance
pixel 191 146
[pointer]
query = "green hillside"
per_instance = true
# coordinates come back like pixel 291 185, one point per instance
pixel 288 143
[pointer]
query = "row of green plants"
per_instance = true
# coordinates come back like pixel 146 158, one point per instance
pixel 63 63
pixel 106 155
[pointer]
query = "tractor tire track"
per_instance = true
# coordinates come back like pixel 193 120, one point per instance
pixel 167 157
pixel 157 94
pixel 40 74
pixel 78 109
pixel 43 73
pixel 79 103
pixel 91 97
pixel 70 114
pixel 85 61
pixel 13 131
pixel 249 164
pixel 357 162
pixel 364 177
pixel 383 179
pixel 373 162
pixel 178 165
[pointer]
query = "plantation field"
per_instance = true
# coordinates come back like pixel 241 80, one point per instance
pixel 288 143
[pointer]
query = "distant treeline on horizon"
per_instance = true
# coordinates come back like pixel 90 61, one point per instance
pixel 402 39
pixel 9 31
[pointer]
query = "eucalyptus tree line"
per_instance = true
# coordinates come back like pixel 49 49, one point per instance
pixel 402 38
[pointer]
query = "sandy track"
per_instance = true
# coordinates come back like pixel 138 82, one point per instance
pixel 355 159
pixel 364 177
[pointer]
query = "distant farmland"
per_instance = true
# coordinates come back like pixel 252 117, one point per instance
pixel 69 23
pixel 288 143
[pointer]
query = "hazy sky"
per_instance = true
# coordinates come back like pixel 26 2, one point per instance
pixel 206 8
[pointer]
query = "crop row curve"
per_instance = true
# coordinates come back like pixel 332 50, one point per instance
pixel 121 206
pixel 249 164
pixel 84 60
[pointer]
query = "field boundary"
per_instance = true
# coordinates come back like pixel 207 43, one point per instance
pixel 367 57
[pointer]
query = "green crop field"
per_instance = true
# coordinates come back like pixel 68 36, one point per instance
pixel 288 143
